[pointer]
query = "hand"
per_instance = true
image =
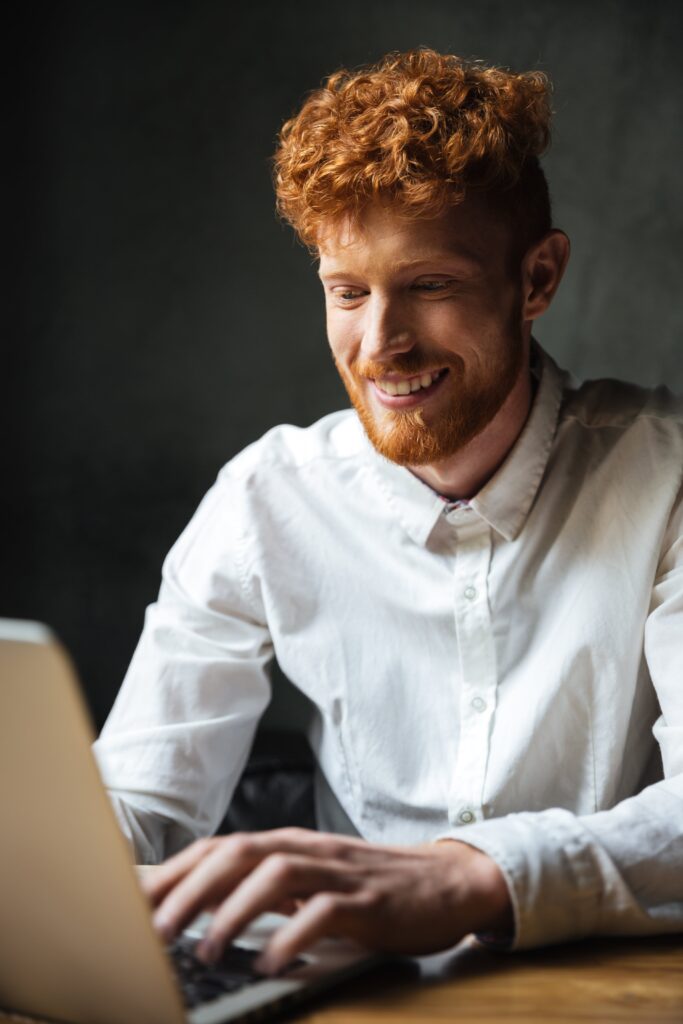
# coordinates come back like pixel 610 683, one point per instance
pixel 401 899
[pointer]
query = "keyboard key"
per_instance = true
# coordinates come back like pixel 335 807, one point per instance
pixel 201 983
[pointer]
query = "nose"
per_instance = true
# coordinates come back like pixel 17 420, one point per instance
pixel 386 331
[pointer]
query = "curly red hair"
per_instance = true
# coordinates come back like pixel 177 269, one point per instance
pixel 421 129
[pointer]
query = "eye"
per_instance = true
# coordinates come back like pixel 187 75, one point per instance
pixel 348 295
pixel 432 286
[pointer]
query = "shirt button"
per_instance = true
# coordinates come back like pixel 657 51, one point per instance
pixel 470 593
pixel 478 703
pixel 466 817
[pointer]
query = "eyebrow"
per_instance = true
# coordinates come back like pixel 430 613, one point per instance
pixel 460 254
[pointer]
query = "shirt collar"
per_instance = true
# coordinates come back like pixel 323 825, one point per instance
pixel 505 501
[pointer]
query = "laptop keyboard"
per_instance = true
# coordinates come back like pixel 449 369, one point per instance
pixel 201 983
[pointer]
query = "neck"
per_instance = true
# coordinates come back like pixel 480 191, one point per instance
pixel 464 474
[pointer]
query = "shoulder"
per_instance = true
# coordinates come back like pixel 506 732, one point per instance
pixel 277 480
pixel 631 435
pixel 607 403
pixel 287 449
pixel 609 407
pixel 628 437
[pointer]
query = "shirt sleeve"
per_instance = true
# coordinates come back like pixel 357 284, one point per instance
pixel 180 730
pixel 618 871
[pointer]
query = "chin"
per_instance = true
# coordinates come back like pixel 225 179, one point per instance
pixel 410 441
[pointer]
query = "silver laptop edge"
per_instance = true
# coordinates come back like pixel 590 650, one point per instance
pixel 78 942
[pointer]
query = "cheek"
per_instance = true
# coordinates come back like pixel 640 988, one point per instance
pixel 478 322
pixel 450 326
pixel 342 336
pixel 444 320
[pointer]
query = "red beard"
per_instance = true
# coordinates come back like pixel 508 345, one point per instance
pixel 417 438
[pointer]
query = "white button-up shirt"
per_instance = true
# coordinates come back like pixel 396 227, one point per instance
pixel 508 672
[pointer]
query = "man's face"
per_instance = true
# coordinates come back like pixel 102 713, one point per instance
pixel 424 323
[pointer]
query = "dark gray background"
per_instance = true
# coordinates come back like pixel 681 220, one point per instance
pixel 164 318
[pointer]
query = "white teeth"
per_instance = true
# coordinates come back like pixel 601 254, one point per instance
pixel 406 387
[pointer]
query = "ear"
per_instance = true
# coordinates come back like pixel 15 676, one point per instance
pixel 542 269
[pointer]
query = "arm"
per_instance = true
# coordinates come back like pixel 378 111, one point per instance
pixel 619 871
pixel 180 731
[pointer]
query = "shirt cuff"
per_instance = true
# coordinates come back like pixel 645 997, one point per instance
pixel 554 872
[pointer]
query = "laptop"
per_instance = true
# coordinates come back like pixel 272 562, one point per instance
pixel 76 934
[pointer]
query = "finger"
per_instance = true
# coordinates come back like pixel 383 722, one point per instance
pixel 325 914
pixel 207 871
pixel 206 885
pixel 279 878
pixel 165 876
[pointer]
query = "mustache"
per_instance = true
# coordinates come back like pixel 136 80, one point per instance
pixel 409 364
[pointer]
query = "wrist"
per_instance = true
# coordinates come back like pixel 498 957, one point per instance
pixel 487 887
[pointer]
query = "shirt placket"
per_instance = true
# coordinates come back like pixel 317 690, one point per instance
pixel 477 666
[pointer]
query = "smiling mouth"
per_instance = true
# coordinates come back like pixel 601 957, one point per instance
pixel 419 386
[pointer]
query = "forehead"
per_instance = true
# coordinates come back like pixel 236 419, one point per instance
pixel 468 233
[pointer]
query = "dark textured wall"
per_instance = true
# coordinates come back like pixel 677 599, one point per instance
pixel 165 318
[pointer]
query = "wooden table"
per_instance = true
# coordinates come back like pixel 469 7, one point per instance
pixel 598 980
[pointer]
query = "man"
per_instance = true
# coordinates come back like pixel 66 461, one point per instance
pixel 476 576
